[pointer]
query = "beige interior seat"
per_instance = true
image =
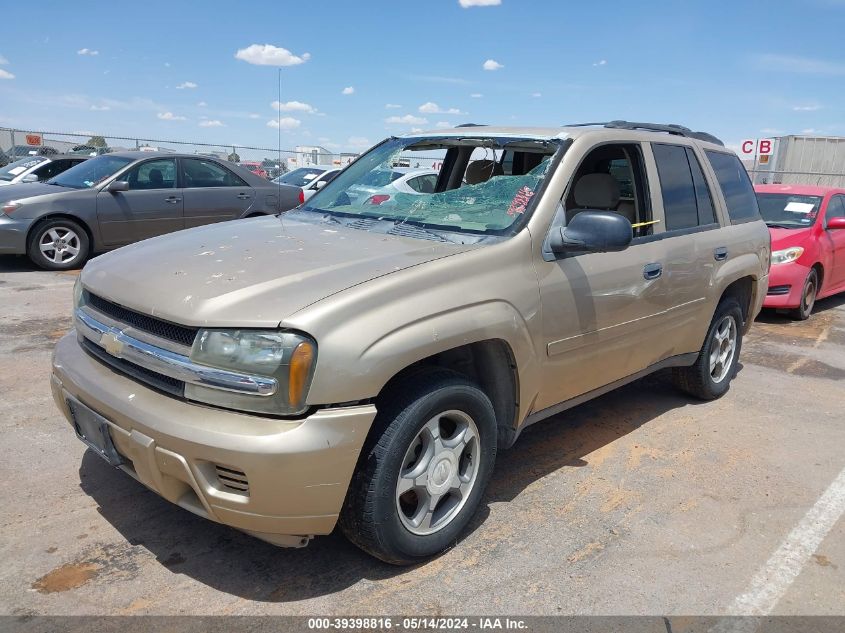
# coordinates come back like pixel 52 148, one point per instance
pixel 479 171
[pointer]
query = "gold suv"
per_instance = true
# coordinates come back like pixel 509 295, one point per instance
pixel 359 360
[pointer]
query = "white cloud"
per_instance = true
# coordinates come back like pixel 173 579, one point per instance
pixel 211 123
pixel 252 115
pixel 414 130
pixel 285 123
pixel 348 90
pixel 408 119
pixel 169 116
pixel 442 124
pixel 269 55
pixel 190 85
pixel 466 4
pixel 293 106
pixel 3 61
pixel 392 106
pixel 201 104
pixel 358 142
pixel 167 64
pixel 432 108
pixel 771 131
pixel 803 65
pixel 807 108
pixel 601 62
pixel 476 95
pixel 810 130
pixel 87 51
pixel 492 64
pixel 99 108
pixel 5 74
pixel 536 95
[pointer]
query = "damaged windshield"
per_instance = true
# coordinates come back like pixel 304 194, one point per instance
pixel 467 185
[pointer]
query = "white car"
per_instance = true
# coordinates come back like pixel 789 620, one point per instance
pixel 380 186
pixel 309 179
pixel 37 168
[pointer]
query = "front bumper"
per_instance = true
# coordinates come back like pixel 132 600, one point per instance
pixel 786 283
pixel 13 234
pixel 297 471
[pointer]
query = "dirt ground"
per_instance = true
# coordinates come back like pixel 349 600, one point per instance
pixel 640 502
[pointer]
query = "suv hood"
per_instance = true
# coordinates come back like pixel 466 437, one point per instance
pixel 250 273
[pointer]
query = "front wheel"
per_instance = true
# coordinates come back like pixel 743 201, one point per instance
pixel 808 297
pixel 422 474
pixel 710 376
pixel 58 244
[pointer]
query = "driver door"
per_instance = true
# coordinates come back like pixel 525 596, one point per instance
pixel 152 206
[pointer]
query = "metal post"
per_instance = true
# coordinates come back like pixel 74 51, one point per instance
pixel 13 138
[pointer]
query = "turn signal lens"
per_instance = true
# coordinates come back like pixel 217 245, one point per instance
pixel 301 362
pixel 11 206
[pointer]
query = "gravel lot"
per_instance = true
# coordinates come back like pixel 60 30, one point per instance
pixel 640 502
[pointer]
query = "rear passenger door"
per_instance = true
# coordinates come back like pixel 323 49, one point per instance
pixel 152 206
pixel 213 193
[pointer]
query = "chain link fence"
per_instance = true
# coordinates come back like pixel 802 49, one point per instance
pixel 266 161
pixel 802 160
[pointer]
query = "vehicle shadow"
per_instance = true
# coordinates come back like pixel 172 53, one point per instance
pixel 822 305
pixel 22 264
pixel 237 564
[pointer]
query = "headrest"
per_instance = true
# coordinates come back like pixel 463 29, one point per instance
pixel 597 191
pixel 482 170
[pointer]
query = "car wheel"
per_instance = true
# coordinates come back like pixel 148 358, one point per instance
pixel 424 469
pixel 58 244
pixel 808 297
pixel 710 376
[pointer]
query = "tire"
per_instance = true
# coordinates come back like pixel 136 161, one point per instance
pixel 396 526
pixel 69 242
pixel 703 379
pixel 809 292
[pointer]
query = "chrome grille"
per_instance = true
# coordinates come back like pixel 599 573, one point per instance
pixel 164 329
pixel 147 376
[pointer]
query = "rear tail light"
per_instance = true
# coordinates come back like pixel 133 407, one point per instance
pixel 301 196
pixel 378 199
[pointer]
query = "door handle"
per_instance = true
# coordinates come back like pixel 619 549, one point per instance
pixel 244 196
pixel 173 199
pixel 720 254
pixel 652 271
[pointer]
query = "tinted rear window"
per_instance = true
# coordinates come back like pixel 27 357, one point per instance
pixel 679 201
pixel 736 186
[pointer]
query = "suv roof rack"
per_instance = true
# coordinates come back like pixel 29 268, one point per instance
pixel 669 128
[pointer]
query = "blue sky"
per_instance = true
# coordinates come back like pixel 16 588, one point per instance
pixel 738 69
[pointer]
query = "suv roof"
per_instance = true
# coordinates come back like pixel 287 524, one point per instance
pixel 614 129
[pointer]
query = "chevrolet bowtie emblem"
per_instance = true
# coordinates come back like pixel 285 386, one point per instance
pixel 111 344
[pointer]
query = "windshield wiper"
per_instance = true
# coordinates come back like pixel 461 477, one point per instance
pixel 776 225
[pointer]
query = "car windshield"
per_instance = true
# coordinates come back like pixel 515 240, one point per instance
pixel 12 170
pixel 451 184
pixel 789 211
pixel 300 177
pixel 90 172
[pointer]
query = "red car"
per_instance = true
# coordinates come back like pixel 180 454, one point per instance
pixel 807 224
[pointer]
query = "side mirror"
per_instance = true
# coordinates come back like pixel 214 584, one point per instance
pixel 836 223
pixel 116 186
pixel 30 178
pixel 320 184
pixel 593 232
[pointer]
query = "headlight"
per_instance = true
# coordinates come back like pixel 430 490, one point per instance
pixel 11 206
pixel 787 255
pixel 285 356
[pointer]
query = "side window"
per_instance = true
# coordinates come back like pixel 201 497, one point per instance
pixel 736 186
pixel 53 168
pixel 153 174
pixel 423 184
pixel 206 173
pixel 706 210
pixel 680 203
pixel 612 178
pixel 836 207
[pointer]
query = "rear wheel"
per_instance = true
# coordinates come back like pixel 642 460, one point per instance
pixel 808 297
pixel 423 472
pixel 710 376
pixel 58 244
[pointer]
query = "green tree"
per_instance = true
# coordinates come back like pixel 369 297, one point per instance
pixel 234 158
pixel 96 141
